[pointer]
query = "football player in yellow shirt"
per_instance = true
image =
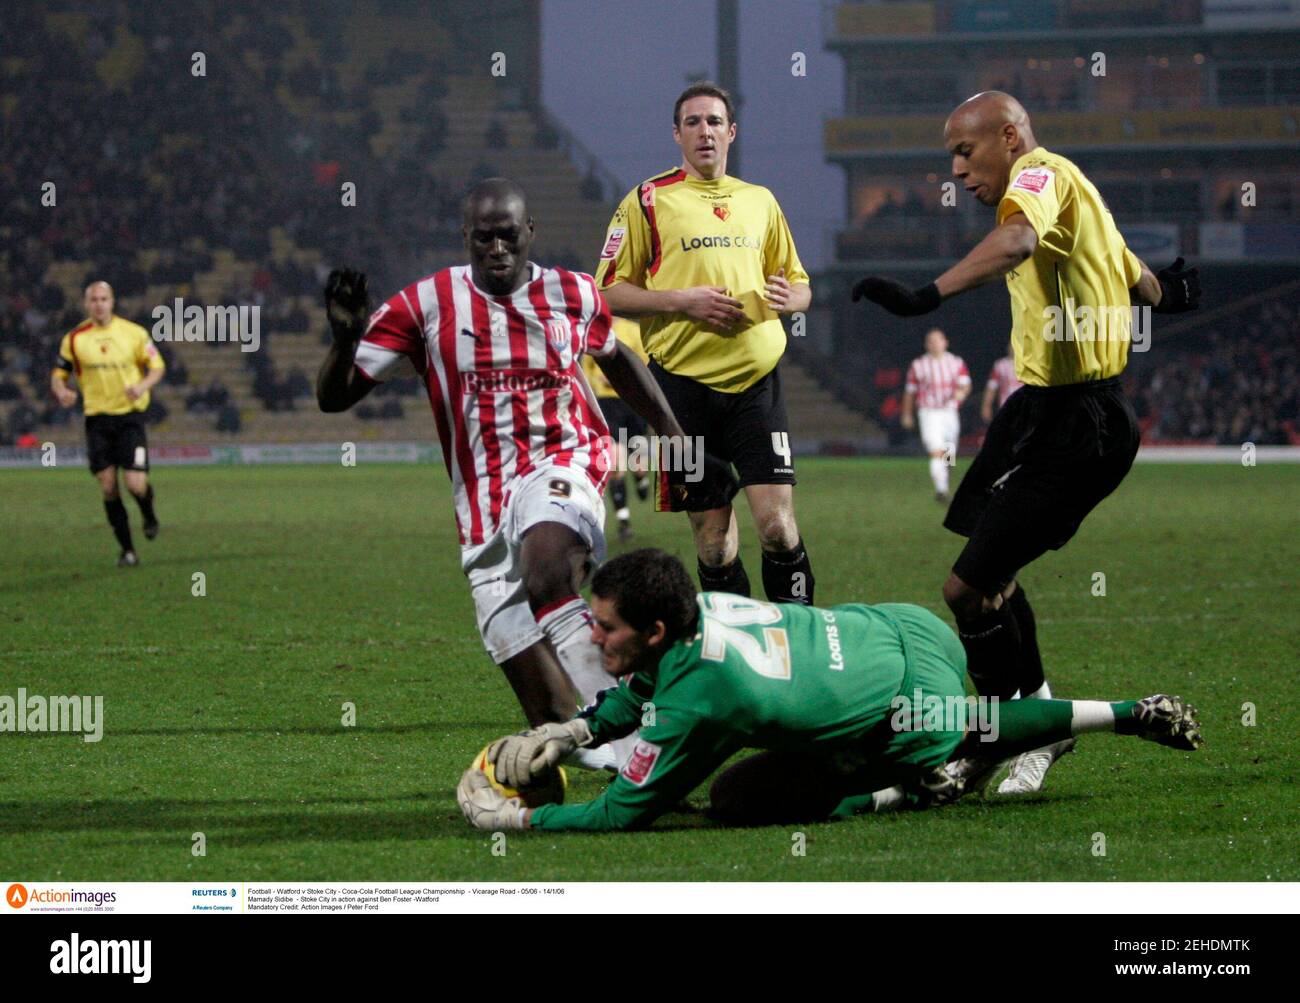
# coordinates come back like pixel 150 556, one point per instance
pixel 116 365
pixel 1068 437
pixel 707 263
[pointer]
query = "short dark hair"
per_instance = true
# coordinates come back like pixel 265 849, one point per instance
pixel 648 585
pixel 704 88
pixel 499 189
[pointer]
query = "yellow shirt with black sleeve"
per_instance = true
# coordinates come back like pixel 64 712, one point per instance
pixel 628 332
pixel 1070 308
pixel 106 360
pixel 677 232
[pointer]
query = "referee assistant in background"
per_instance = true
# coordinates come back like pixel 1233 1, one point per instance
pixel 116 365
pixel 1068 437
pixel 707 263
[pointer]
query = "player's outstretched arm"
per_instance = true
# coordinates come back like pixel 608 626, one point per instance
pixel 1002 250
pixel 339 384
pixel 631 380
pixel 663 770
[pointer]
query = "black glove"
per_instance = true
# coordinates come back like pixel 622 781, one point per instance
pixel 347 304
pixel 1180 289
pixel 896 297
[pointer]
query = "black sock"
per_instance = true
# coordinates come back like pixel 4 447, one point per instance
pixel 727 578
pixel 618 491
pixel 1031 662
pixel 787 575
pixel 117 519
pixel 992 643
pixel 145 501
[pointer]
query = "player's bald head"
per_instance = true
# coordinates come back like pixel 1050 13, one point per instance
pixel 495 196
pixel 986 134
pixel 99 301
pixel 989 111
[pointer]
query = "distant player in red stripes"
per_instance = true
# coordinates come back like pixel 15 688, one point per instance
pixel 937 384
pixel 497 344
pixel 1001 385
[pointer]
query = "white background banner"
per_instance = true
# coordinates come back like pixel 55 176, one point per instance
pixel 125 898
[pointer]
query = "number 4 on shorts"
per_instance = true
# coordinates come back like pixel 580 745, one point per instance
pixel 781 446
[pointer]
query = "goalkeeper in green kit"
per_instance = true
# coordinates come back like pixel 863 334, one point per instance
pixel 857 707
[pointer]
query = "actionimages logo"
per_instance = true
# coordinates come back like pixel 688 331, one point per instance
pixel 18 895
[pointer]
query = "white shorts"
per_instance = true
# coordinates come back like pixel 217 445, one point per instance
pixel 940 428
pixel 494 568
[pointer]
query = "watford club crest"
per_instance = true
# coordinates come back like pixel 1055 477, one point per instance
pixel 722 212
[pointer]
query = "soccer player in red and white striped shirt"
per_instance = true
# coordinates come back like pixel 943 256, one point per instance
pixel 937 383
pixel 1002 384
pixel 497 344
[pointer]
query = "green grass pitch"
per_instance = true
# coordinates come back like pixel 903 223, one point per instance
pixel 325 585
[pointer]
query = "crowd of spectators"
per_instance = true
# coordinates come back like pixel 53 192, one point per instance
pixel 1237 383
pixel 88 176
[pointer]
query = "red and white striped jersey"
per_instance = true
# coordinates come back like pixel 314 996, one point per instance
pixel 935 381
pixel 503 379
pixel 1003 379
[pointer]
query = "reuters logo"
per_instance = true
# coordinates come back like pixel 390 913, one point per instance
pixel 16 896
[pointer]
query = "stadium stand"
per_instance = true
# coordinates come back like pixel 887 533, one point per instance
pixel 233 197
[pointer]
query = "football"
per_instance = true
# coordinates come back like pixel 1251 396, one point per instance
pixel 549 792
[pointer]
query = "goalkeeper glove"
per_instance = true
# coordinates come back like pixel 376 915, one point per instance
pixel 526 758
pixel 1180 289
pixel 347 304
pixel 484 806
pixel 896 297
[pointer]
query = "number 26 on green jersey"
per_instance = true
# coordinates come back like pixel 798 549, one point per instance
pixel 724 615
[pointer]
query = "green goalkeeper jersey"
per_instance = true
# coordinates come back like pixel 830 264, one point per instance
pixel 755 674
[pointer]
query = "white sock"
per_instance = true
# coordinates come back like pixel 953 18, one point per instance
pixel 939 474
pixel 567 624
pixel 1043 692
pixel 1091 715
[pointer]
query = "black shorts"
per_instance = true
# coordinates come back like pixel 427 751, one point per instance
pixel 748 430
pixel 1050 456
pixel 117 440
pixel 623 422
